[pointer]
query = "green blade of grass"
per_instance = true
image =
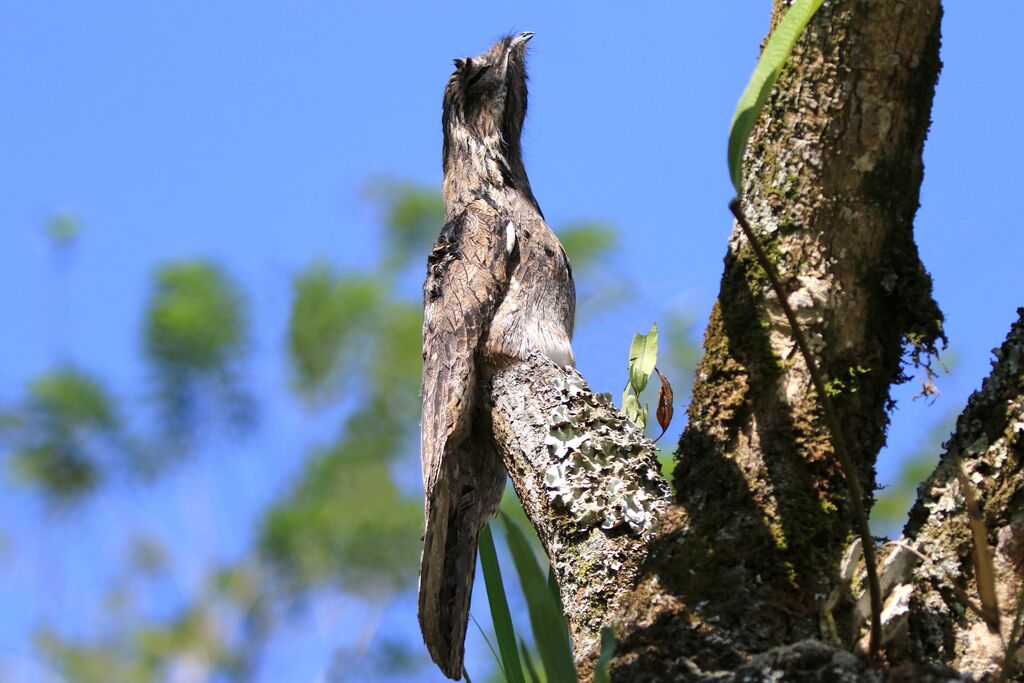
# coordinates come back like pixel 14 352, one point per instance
pixel 487 640
pixel 553 589
pixel 531 668
pixel 503 629
pixel 549 629
pixel 601 674
pixel 756 93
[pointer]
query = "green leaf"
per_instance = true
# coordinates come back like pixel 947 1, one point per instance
pixel 503 629
pixel 643 355
pixel 601 674
pixel 531 668
pixel 756 93
pixel 553 588
pixel 490 646
pixel 549 630
pixel 632 410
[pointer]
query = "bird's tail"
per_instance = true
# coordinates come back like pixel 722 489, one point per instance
pixel 455 514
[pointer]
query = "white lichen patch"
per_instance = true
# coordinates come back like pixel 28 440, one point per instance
pixel 600 474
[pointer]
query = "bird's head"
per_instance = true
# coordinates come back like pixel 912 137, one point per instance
pixel 486 95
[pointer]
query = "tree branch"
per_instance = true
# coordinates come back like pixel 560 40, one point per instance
pixel 588 480
pixel 989 445
pixel 751 557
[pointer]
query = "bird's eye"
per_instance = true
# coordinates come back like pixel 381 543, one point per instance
pixel 476 77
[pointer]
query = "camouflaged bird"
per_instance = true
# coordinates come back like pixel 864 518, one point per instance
pixel 498 286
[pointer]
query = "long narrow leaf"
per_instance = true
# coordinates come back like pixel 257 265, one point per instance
pixel 549 629
pixel 756 93
pixel 531 668
pixel 503 629
pixel 601 674
pixel 490 646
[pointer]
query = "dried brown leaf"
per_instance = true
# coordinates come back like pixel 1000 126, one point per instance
pixel 984 569
pixel 664 412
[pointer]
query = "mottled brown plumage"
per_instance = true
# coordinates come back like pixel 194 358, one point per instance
pixel 498 286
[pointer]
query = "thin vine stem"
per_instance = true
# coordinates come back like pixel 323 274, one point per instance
pixel 832 420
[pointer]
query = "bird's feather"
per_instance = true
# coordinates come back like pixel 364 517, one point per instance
pixel 463 476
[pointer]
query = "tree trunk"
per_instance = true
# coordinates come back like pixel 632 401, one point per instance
pixel 753 570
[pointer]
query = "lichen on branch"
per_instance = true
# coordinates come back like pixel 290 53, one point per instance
pixel 588 480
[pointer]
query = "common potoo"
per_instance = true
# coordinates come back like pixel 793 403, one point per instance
pixel 498 286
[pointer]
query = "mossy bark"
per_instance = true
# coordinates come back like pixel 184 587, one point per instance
pixel 988 447
pixel 833 172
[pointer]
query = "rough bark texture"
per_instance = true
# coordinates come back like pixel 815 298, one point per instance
pixel 587 478
pixel 989 445
pixel 752 573
pixel 833 173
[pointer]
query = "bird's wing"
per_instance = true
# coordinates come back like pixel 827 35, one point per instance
pixel 463 476
pixel 467 276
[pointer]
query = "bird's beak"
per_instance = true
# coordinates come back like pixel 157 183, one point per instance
pixel 521 39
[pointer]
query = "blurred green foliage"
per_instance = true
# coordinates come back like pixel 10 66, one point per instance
pixel 587 243
pixel 219 634
pixel 63 229
pixel 600 286
pixel 412 216
pixel 330 322
pixel 893 502
pixel 195 319
pixel 58 436
pixel 195 337
pixel 347 523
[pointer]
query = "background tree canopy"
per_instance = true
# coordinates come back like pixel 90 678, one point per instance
pixel 213 240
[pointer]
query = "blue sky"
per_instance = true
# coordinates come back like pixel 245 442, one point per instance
pixel 246 131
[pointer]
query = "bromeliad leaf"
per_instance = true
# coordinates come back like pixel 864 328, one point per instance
pixel 601 674
pixel 756 93
pixel 531 668
pixel 549 630
pixel 503 629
